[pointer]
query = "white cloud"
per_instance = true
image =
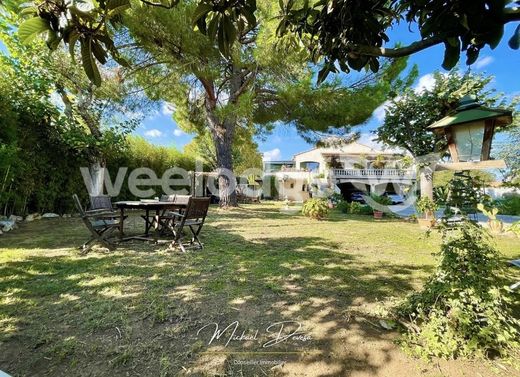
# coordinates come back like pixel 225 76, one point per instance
pixel 153 133
pixel 178 132
pixel 272 155
pixel 484 62
pixel 426 82
pixel 167 108
pixel 380 113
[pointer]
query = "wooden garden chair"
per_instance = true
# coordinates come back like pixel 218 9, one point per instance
pixel 167 217
pixel 192 218
pixel 101 225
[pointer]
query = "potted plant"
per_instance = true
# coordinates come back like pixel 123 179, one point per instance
pixel 427 208
pixel 379 199
pixel 495 225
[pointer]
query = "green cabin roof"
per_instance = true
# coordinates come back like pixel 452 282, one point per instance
pixel 469 111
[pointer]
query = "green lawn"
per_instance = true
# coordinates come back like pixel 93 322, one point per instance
pixel 137 311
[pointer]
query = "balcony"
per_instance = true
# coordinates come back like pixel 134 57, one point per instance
pixel 373 173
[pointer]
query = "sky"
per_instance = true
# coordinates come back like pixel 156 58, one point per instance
pixel 284 142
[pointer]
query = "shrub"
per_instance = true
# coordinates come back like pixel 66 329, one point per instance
pixel 426 206
pixel 335 198
pixel 343 206
pixel 379 199
pixel 515 228
pixel 355 208
pixel 509 205
pixel 366 210
pixel 463 310
pixel 315 208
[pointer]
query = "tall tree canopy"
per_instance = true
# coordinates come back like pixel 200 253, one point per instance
pixel 255 82
pixel 263 80
pixel 354 34
pixel 351 34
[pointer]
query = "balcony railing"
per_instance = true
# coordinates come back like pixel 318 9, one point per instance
pixel 373 173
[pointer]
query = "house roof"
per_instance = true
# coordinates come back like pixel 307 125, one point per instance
pixel 347 149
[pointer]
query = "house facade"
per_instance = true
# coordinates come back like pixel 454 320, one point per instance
pixel 346 169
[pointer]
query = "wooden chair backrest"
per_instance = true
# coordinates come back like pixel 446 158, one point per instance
pixel 78 205
pixel 197 208
pixel 182 199
pixel 168 198
pixel 101 202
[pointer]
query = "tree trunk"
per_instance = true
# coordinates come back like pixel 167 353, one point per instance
pixel 426 182
pixel 222 133
pixel 97 174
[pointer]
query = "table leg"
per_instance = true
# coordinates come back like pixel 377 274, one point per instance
pixel 156 225
pixel 121 221
pixel 147 223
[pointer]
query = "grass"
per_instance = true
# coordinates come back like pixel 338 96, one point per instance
pixel 137 311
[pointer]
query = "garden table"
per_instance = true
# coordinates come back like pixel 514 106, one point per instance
pixel 147 206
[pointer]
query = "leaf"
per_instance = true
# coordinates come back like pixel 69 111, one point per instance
pixel 201 11
pixel 89 64
pixel 99 52
pixel 31 28
pixel 514 42
pixel 73 38
pixel 213 26
pixel 117 6
pixel 53 40
pixel 472 55
pixel 495 36
pixel 451 56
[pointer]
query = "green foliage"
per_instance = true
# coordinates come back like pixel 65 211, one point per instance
pixel 356 208
pixel 343 206
pixel 380 199
pixel 463 310
pixel 440 194
pixel 515 228
pixel 405 125
pixel 426 206
pixel 315 208
pixel 461 26
pixel 335 198
pixel 465 193
pixel 510 151
pixel 509 204
pixel 443 178
pixel 360 209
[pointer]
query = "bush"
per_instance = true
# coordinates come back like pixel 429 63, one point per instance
pixel 315 208
pixel 508 205
pixel 343 206
pixel 515 228
pixel 355 208
pixel 463 310
pixel 426 206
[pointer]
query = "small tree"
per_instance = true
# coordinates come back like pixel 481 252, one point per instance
pixel 463 309
pixel 409 115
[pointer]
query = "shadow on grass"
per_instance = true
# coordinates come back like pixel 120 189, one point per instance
pixel 138 309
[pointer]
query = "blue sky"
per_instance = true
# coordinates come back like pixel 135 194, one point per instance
pixel 503 63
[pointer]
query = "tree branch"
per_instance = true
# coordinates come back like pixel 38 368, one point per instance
pixel 397 52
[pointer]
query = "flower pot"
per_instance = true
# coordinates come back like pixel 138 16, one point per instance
pixel 426 223
pixel 378 214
